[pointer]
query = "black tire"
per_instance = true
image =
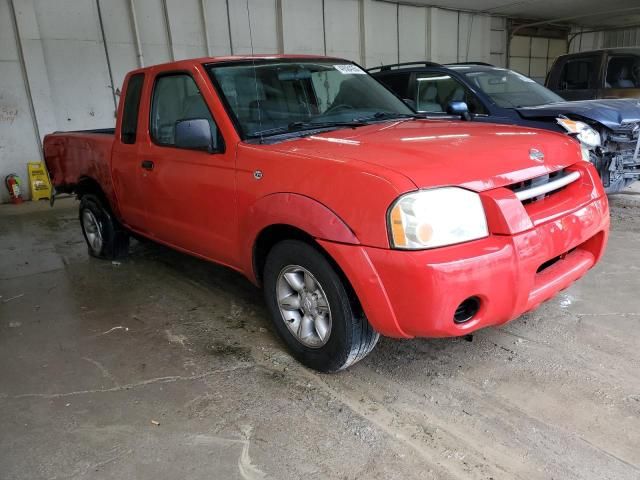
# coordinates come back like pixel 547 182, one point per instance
pixel 115 239
pixel 351 338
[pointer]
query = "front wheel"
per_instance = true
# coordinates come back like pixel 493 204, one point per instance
pixel 104 235
pixel 312 309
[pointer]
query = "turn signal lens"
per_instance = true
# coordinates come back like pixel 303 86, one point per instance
pixel 397 227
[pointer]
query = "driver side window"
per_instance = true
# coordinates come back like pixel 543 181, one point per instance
pixel 434 91
pixel 577 74
pixel 175 98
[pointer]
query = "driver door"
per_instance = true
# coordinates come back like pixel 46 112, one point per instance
pixel 189 194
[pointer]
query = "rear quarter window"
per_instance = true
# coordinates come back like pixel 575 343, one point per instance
pixel 623 71
pixel 131 108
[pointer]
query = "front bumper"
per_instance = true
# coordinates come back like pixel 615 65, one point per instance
pixel 415 293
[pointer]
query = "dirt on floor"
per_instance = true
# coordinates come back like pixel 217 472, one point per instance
pixel 165 366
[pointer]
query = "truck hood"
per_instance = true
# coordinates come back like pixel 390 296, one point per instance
pixel 477 156
pixel 610 113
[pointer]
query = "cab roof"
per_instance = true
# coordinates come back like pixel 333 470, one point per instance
pixel 419 66
pixel 614 51
pixel 235 58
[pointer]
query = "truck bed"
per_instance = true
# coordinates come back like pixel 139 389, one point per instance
pixel 103 131
pixel 72 157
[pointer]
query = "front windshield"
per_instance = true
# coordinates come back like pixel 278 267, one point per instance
pixel 510 89
pixel 269 96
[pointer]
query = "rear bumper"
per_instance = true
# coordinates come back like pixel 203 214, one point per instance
pixel 415 294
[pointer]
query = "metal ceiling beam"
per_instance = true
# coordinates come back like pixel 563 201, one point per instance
pixel 409 3
pixel 573 36
pixel 573 17
pixel 491 11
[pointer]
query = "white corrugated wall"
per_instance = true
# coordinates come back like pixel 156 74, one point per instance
pixel 60 66
pixel 533 56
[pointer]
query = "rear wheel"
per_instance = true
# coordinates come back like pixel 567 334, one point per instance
pixel 312 309
pixel 104 235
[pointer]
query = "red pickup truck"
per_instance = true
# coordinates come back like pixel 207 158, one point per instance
pixel 355 215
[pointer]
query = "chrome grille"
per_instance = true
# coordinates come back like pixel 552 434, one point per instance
pixel 540 187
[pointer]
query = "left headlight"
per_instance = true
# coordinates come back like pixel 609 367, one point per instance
pixel 583 132
pixel 437 217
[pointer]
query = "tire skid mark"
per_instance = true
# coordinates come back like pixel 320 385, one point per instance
pixel 436 456
pixel 451 441
pixel 495 411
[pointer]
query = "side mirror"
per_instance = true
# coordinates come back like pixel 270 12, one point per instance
pixel 459 108
pixel 194 133
pixel 410 103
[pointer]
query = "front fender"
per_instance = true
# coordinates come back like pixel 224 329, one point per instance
pixel 299 211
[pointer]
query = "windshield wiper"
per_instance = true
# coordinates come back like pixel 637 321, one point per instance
pixel 392 116
pixel 304 126
pixel 294 127
pixel 389 116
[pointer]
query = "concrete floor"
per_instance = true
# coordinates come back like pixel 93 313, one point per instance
pixel 93 353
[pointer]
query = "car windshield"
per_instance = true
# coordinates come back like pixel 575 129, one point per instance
pixel 275 97
pixel 511 89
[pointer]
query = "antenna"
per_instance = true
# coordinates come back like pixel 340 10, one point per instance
pixel 255 74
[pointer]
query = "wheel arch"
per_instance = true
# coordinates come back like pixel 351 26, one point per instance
pixel 281 216
pixel 87 185
pixel 273 234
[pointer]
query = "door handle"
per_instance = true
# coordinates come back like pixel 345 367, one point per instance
pixel 147 164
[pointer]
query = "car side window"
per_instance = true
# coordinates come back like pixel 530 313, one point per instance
pixel 435 90
pixel 623 71
pixel 176 97
pixel 577 74
pixel 131 107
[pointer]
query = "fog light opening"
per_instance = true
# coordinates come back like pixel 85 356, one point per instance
pixel 466 310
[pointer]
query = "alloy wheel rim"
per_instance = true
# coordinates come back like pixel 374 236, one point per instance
pixel 92 230
pixel 304 306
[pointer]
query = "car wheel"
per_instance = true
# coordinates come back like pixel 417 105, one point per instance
pixel 104 235
pixel 313 310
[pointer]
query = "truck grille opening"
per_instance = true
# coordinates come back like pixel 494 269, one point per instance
pixel 553 261
pixel 548 263
pixel 626 132
pixel 539 188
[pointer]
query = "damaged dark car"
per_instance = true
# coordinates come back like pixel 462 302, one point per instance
pixel 608 130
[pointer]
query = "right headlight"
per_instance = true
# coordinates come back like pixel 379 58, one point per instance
pixel 587 135
pixel 435 218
